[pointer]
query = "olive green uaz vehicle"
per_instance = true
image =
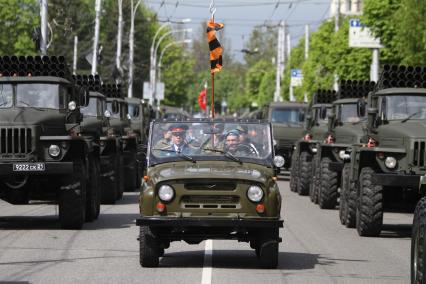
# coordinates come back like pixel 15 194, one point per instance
pixel 203 182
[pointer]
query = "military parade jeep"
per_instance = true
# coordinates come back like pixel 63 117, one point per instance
pixel 345 127
pixel 287 124
pixel 203 183
pixel 301 174
pixel 385 172
pixel 43 154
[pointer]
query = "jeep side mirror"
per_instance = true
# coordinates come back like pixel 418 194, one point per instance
pixel 372 115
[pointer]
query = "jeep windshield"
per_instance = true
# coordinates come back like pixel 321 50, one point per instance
pixel 404 107
pixel 287 116
pixel 40 96
pixel 238 142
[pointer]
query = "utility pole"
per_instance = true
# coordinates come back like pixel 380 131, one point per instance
pixel 374 73
pixel 96 37
pixel 43 16
pixel 119 37
pixel 287 62
pixel 74 62
pixel 336 29
pixel 307 34
pixel 132 46
pixel 280 60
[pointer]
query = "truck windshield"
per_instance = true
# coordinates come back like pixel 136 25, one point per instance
pixel 113 114
pixel 91 109
pixel 6 95
pixel 133 111
pixel 40 96
pixel 287 115
pixel 349 113
pixel 405 106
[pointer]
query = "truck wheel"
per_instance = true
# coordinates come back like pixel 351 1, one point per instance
pixel 418 243
pixel 305 171
pixel 93 190
pixel 313 188
pixel 110 184
pixel 343 194
pixel 351 197
pixel 99 196
pixel 268 248
pixel 369 209
pixel 119 174
pixel 293 175
pixel 329 184
pixel 131 173
pixel 72 199
pixel 17 196
pixel 149 248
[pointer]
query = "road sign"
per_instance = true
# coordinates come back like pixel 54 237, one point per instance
pixel 296 77
pixel 361 36
pixel 159 91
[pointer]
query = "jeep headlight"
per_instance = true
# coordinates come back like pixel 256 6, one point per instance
pixel 54 150
pixel 390 162
pixel 166 193
pixel 279 161
pixel 255 193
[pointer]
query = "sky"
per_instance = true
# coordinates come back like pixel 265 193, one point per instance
pixel 241 16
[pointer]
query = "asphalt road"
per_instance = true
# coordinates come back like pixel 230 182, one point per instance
pixel 315 249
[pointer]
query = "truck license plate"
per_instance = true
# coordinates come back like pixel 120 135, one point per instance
pixel 28 167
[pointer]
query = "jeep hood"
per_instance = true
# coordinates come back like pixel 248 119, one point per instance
pixel 210 170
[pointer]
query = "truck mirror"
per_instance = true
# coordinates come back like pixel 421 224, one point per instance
pixel 83 97
pixel 372 115
pixel 361 108
pixel 301 116
pixel 323 112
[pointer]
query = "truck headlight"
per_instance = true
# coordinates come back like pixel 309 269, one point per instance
pixel 166 193
pixel 255 193
pixel 54 150
pixel 390 162
pixel 279 161
pixel 72 105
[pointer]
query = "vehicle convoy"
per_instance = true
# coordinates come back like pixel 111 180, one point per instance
pixel 385 172
pixel 418 239
pixel 345 127
pixel 210 186
pixel 315 128
pixel 96 122
pixel 44 155
pixel 126 163
pixel 287 124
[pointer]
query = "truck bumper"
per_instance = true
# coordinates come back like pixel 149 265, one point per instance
pixel 51 168
pixel 336 166
pixel 397 180
pixel 207 222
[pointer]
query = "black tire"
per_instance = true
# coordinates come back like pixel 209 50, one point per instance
pixel 268 248
pixel 315 183
pixel 351 200
pixel 17 196
pixel 344 188
pixel 130 175
pixel 329 183
pixel 110 184
pixel 72 198
pixel 369 209
pixel 119 173
pixel 418 243
pixel 93 190
pixel 293 174
pixel 305 171
pixel 149 248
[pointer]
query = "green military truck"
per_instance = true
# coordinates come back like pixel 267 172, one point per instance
pixel 287 124
pixel 43 152
pixel 385 172
pixel 345 127
pixel 120 122
pixel 315 127
pixel 220 190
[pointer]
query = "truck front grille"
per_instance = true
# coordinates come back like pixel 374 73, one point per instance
pixel 419 153
pixel 15 140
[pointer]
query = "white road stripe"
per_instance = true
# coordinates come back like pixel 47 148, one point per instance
pixel 207 268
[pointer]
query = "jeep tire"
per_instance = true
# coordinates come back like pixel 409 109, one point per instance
pixel 329 183
pixel 149 248
pixel 267 250
pixel 72 197
pixel 369 209
pixel 304 174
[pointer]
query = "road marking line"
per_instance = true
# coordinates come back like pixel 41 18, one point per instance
pixel 207 267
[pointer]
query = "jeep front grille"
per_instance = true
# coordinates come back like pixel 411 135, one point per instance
pixel 419 153
pixel 210 201
pixel 15 141
pixel 217 185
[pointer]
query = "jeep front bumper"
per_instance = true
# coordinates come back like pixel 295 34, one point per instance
pixel 208 222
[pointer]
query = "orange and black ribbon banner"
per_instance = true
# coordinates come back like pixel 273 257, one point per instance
pixel 214 46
